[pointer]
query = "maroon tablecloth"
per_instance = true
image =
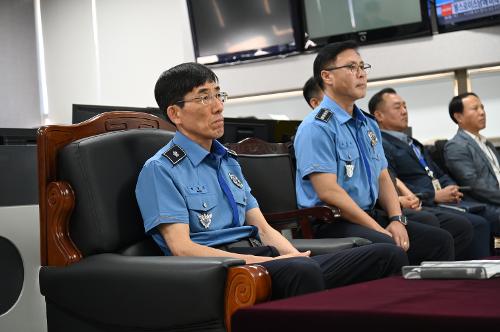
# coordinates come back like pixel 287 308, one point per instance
pixel 391 304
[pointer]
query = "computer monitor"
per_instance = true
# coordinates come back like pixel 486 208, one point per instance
pixel 18 136
pixel 229 31
pixel 366 21
pixel 85 112
pixel 455 15
pixel 236 129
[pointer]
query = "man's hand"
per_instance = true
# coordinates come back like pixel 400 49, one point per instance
pixel 399 234
pixel 410 202
pixel 448 194
pixel 295 254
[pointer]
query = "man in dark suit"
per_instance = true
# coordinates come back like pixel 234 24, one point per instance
pixel 471 159
pixel 411 163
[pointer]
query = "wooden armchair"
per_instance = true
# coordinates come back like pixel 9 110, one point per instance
pixel 270 172
pixel 100 272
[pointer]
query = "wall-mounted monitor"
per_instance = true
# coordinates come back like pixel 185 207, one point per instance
pixel 236 129
pixel 452 15
pixel 366 21
pixel 231 31
pixel 85 112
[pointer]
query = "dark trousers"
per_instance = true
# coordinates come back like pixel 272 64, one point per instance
pixel 459 227
pixel 302 275
pixel 480 246
pixel 427 243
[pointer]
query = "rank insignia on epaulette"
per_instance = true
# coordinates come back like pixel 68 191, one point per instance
pixel 324 114
pixel 175 154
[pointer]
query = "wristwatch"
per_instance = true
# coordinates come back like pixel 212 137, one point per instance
pixel 401 218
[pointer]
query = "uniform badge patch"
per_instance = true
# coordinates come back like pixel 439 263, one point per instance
pixel 235 180
pixel 175 154
pixel 373 138
pixel 324 115
pixel 349 169
pixel 205 219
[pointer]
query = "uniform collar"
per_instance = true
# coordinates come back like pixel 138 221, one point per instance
pixel 194 151
pixel 341 115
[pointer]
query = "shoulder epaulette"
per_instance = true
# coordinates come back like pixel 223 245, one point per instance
pixel 175 154
pixel 324 115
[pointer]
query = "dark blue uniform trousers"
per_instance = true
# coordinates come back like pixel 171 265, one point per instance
pixel 427 243
pixel 302 275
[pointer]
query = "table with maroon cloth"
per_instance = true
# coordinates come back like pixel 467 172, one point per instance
pixel 390 304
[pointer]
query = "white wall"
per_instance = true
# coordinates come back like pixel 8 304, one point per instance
pixel 137 40
pixel 20 106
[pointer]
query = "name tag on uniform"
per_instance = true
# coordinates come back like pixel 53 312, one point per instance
pixel 436 184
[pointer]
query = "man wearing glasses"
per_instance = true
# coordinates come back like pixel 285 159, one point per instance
pixel 341 162
pixel 195 201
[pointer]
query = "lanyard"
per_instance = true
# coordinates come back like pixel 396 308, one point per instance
pixel 421 160
pixel 228 193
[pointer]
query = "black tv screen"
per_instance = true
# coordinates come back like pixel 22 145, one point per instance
pixel 85 112
pixel 227 31
pixel 455 15
pixel 366 21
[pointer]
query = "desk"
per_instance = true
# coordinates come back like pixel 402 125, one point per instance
pixel 390 304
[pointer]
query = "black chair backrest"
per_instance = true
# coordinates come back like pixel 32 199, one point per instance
pixel 272 179
pixel 103 171
pixel 437 154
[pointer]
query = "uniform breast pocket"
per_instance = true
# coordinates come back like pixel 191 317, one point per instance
pixel 201 209
pixel 348 163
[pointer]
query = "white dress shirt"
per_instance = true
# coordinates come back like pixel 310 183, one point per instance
pixel 490 155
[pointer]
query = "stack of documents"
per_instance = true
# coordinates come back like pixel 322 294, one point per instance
pixel 476 269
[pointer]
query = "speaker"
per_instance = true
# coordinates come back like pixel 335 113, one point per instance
pixel 22 307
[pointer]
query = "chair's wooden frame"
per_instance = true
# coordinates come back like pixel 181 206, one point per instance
pixel 246 284
pixel 256 146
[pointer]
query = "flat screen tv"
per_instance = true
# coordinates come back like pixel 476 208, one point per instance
pixel 452 15
pixel 366 21
pixel 232 31
pixel 85 112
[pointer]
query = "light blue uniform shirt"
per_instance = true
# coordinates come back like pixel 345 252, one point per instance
pixel 179 185
pixel 329 140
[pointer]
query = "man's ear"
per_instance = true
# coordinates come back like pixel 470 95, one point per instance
pixel 314 102
pixel 327 77
pixel 173 113
pixel 458 117
pixel 379 116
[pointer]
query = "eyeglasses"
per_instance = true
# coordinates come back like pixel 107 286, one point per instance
pixel 207 99
pixel 353 67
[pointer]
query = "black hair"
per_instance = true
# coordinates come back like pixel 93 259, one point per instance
pixel 174 83
pixel 329 54
pixel 311 90
pixel 456 104
pixel 378 98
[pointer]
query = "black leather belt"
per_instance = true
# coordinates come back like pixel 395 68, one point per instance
pixel 243 243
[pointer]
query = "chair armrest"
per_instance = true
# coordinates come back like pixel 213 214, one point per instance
pixel 320 213
pixel 147 292
pixel 328 246
pixel 286 219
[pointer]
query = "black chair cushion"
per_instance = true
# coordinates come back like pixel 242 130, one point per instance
pixel 103 171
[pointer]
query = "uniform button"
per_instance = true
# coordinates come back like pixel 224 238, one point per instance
pixel 204 204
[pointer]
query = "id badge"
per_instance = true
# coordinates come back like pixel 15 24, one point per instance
pixel 436 184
